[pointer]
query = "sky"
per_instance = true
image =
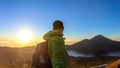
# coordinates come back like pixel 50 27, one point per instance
pixel 82 18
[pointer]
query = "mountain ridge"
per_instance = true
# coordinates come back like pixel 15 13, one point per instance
pixel 97 45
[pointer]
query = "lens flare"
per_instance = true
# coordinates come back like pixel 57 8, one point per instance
pixel 25 36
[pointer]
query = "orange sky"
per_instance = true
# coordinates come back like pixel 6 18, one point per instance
pixel 13 43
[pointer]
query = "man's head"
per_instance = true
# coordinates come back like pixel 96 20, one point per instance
pixel 58 25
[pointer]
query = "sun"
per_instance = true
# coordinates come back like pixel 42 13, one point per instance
pixel 25 36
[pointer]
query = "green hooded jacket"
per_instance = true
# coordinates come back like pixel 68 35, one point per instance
pixel 56 49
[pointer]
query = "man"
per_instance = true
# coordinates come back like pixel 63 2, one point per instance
pixel 56 46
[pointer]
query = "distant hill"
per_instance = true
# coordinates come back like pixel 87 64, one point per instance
pixel 97 45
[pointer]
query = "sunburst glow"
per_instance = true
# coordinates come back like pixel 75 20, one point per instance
pixel 25 36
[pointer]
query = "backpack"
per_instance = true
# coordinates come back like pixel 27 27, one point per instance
pixel 40 57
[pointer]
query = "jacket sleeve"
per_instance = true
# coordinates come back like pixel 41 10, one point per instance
pixel 51 34
pixel 47 36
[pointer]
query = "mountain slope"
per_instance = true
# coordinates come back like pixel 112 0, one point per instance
pixel 97 45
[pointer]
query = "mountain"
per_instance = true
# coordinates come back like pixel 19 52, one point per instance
pixel 97 45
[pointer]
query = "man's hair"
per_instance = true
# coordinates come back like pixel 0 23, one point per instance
pixel 58 25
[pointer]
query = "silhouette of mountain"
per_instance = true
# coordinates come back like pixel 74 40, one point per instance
pixel 97 45
pixel 99 37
